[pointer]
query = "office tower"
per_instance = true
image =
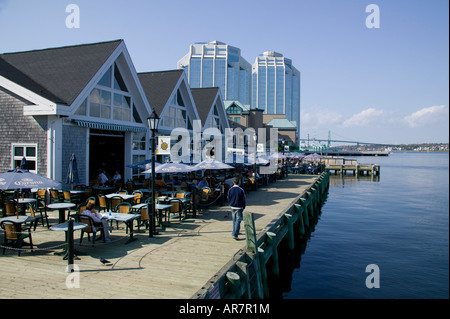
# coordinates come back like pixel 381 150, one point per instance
pixel 276 86
pixel 216 64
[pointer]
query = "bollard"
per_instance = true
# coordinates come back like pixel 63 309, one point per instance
pixel 234 283
pixel 272 241
pixel 301 224
pixel 290 232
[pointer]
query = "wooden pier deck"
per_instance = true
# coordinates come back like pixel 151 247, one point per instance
pixel 174 264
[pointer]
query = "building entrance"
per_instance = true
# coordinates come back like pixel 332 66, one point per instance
pixel 106 151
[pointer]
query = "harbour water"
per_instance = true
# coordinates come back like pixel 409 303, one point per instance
pixel 398 222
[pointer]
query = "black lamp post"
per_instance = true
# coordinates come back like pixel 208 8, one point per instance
pixel 153 122
pixel 255 139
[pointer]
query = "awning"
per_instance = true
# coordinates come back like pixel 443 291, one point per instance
pixel 109 126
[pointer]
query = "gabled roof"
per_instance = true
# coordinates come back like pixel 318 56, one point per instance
pixel 57 74
pixel 282 124
pixel 204 99
pixel 244 107
pixel 158 86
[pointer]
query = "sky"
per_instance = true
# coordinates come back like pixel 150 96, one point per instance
pixel 371 75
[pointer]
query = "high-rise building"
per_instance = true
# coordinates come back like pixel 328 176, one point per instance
pixel 216 64
pixel 276 86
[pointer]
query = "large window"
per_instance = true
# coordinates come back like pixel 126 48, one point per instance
pixel 29 151
pixel 195 68
pixel 207 75
pixel 110 99
pixel 176 115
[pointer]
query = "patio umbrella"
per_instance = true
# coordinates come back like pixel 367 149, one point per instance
pixel 259 160
pixel 213 164
pixel 72 173
pixel 172 168
pixel 23 164
pixel 145 165
pixel 18 179
pixel 315 155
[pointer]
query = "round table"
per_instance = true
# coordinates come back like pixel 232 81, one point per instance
pixel 61 207
pixel 65 227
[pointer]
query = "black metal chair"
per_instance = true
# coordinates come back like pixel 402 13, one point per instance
pixel 92 228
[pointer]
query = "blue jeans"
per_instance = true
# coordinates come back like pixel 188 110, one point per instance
pixel 236 216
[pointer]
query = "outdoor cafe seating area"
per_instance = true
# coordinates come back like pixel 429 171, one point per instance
pixel 126 206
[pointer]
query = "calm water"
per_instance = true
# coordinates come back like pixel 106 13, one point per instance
pixel 400 223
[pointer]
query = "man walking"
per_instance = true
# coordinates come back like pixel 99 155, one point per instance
pixel 236 198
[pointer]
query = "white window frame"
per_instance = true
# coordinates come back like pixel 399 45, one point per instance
pixel 29 158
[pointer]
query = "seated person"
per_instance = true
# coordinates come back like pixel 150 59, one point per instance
pixel 97 218
pixel 172 180
pixel 202 183
pixel 160 182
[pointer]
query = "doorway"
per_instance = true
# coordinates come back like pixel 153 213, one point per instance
pixel 106 149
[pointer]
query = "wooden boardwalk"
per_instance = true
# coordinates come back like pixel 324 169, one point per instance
pixel 172 265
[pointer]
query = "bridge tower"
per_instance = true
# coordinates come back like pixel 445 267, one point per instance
pixel 329 139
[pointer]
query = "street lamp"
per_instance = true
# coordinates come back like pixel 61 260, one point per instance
pixel 255 139
pixel 153 122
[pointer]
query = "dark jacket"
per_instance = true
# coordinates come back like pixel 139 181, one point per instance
pixel 236 197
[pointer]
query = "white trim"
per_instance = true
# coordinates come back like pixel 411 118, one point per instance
pixel 44 106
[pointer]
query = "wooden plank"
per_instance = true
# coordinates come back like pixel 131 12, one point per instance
pixel 174 264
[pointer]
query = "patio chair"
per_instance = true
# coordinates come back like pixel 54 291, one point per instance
pixel 177 208
pixel 138 198
pixel 33 212
pixel 123 208
pixel 102 203
pixel 10 209
pixel 114 201
pixel 15 234
pixel 54 196
pixel 92 228
pixel 144 219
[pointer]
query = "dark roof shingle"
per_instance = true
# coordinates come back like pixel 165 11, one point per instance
pixel 58 74
pixel 204 98
pixel 158 86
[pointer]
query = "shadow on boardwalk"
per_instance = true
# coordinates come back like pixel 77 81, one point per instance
pixel 173 264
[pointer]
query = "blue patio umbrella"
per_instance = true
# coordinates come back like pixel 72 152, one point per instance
pixel 17 179
pixel 145 165
pixel 72 172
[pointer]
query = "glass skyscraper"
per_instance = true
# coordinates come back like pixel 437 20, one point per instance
pixel 276 86
pixel 216 64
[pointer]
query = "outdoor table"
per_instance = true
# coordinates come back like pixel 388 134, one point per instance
pixel 18 219
pixel 102 189
pixel 125 218
pixel 61 207
pixel 65 227
pixel 124 196
pixel 24 201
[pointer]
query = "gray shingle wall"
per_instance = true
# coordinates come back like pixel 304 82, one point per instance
pixel 17 128
pixel 74 141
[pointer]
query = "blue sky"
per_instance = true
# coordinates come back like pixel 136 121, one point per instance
pixel 387 84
